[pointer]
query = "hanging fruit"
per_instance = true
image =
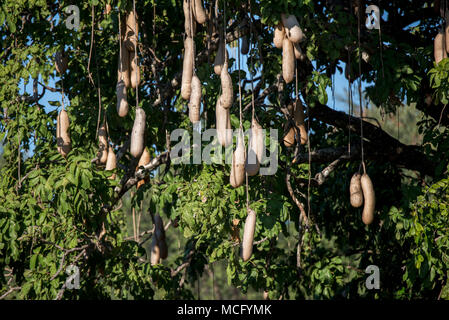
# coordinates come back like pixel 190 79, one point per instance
pixel 62 133
pixel 369 199
pixel 256 147
pixel 248 235
pixel 111 162
pixel 237 176
pixel 355 191
pixel 102 144
pixel 138 134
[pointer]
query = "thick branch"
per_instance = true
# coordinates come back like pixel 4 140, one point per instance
pixel 128 183
pixel 381 143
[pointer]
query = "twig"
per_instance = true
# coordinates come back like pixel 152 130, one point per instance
pixel 184 265
pixel 300 206
pixel 11 290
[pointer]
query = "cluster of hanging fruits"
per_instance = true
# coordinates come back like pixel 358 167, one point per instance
pixel 441 41
pixel 245 162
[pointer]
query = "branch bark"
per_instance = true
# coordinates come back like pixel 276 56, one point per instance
pixel 381 143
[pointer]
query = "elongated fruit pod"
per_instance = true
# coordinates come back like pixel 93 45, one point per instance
pixel 198 11
pixel 256 148
pixel 124 67
pixel 159 231
pixel 187 69
pixel 195 100
pixel 265 295
pixel 143 161
pixel 235 235
pixel 279 35
pixel 221 57
pixel 289 138
pixel 122 102
pixel 61 62
pixel 369 198
pixel 248 235
pixel 439 46
pixel 292 29
pixel 288 61
pixel 102 144
pixel 237 176
pixel 134 69
pixel 63 134
pixel 298 52
pixel 245 45
pixel 132 30
pixel 227 90
pixel 155 251
pixel 355 191
pixel 298 116
pixel 223 125
pixel 108 9
pixel 137 134
pixel 446 35
pixel 188 23
pixel 111 163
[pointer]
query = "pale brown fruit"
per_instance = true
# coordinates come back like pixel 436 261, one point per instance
pixel 124 67
pixel 299 121
pixel 223 125
pixel 279 35
pixel 220 57
pixel 159 232
pixel 132 31
pixel 61 62
pixel 111 163
pixel 298 52
pixel 155 251
pixel 102 144
pixel 245 45
pixel 289 139
pixel 138 134
pixel 187 69
pixel 439 46
pixel 227 90
pixel 237 176
pixel 248 235
pixel 188 22
pixel 265 295
pixel 143 161
pixel 288 61
pixel 122 102
pixel 195 100
pixel 256 148
pixel 298 117
pixel 235 235
pixel 62 133
pixel 198 11
pixel 355 191
pixel 134 69
pixel 163 249
pixel 292 29
pixel 369 198
pixel 159 227
pixel 108 9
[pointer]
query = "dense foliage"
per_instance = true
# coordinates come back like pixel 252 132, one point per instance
pixel 57 211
